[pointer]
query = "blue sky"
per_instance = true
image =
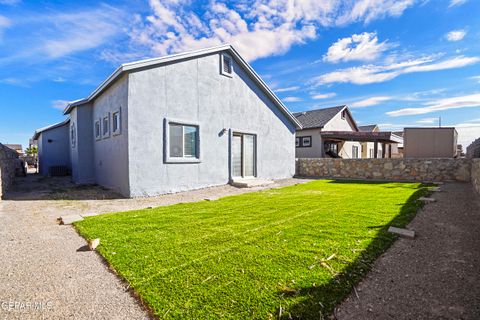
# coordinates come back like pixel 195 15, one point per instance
pixel 395 63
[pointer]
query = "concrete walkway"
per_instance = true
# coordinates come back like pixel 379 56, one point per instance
pixel 434 276
pixel 45 272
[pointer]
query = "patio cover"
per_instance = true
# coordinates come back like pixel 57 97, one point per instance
pixel 382 137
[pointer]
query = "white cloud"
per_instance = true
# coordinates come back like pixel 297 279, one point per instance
pixel 468 101
pixel 366 74
pixel 59 104
pixel 476 78
pixel 257 28
pixel 286 89
pixel 455 35
pixel 427 121
pixel 4 24
pixel 79 31
pixel 360 47
pixel 454 3
pixel 373 101
pixel 10 2
pixel 319 96
pixel 292 99
pixel 468 132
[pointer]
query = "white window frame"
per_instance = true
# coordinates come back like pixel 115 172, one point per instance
pixel 106 134
pixel 99 122
pixel 166 141
pixel 222 71
pixel 355 156
pixel 119 127
pixel 73 135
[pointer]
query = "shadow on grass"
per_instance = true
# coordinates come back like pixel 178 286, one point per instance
pixel 320 301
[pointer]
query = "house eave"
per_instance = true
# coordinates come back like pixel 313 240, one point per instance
pixel 131 66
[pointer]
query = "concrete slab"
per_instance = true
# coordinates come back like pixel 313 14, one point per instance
pixel 91 214
pixel 71 218
pixel 425 199
pixel 250 183
pixel 405 233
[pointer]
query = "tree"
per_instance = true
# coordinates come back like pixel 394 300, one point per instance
pixel 32 150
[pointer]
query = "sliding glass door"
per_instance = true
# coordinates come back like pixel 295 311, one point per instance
pixel 243 155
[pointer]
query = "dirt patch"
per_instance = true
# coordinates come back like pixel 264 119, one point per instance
pixel 436 275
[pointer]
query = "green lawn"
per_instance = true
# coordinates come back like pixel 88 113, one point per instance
pixel 291 251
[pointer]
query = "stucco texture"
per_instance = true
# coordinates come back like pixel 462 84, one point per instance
pixel 195 92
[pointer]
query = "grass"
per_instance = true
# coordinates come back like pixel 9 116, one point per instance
pixel 290 252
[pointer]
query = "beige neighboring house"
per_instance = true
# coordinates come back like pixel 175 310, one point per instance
pixel 17 147
pixel 332 132
pixel 368 148
pixel 309 142
pixel 430 142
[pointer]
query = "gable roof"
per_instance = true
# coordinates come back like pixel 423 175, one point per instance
pixel 14 146
pixel 367 128
pixel 50 127
pixel 314 119
pixel 156 62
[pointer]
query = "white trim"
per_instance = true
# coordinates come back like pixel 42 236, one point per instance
pixel 232 132
pixel 50 127
pixel 119 127
pixel 106 135
pixel 222 65
pixel 73 135
pixel 99 136
pixel 187 55
pixel 166 141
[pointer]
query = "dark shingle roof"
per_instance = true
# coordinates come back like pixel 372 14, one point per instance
pixel 368 128
pixel 317 118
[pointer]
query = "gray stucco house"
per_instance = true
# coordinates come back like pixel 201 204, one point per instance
pixel 181 122
pixel 53 147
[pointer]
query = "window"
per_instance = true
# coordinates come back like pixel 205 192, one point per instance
pixel 182 142
pixel 303 142
pixel 226 65
pixel 98 130
pixel 354 152
pixel 344 112
pixel 116 124
pixel 73 135
pixel 371 151
pixel 106 126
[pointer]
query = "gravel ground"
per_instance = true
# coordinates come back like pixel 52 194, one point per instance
pixel 434 276
pixel 45 272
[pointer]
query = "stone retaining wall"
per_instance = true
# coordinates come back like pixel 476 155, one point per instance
pixel 476 174
pixel 7 168
pixel 387 169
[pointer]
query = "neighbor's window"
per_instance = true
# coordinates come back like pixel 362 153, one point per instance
pixel 73 135
pixel 226 65
pixel 106 126
pixel 116 123
pixel 303 142
pixel 371 151
pixel 344 112
pixel 306 141
pixel 98 132
pixel 183 141
pixel 354 152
